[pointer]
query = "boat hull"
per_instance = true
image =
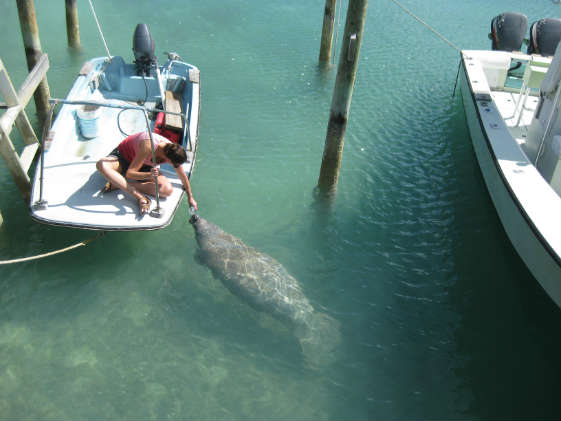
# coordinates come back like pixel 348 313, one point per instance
pixel 486 128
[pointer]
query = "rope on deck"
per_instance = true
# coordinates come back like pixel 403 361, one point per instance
pixel 427 25
pixel 52 253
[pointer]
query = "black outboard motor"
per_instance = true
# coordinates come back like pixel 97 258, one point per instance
pixel 143 48
pixel 545 34
pixel 508 30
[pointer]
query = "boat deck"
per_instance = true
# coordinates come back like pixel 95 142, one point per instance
pixel 506 103
pixel 74 188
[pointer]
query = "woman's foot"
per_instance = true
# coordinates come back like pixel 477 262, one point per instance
pixel 144 205
pixel 108 187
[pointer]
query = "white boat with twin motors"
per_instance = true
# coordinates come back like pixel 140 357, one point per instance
pixel 111 99
pixel 511 102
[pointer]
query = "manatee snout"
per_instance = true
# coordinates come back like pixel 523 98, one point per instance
pixel 194 219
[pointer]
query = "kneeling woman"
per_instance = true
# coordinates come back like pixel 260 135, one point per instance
pixel 132 160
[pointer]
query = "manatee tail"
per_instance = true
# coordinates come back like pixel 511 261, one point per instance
pixel 319 336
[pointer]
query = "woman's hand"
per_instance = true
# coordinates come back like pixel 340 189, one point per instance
pixel 193 203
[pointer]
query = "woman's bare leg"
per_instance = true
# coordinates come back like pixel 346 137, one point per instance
pixel 109 167
pixel 164 187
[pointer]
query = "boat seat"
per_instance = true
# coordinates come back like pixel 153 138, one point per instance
pixel 172 121
pixel 553 77
pixel 555 180
pixel 546 108
pixel 533 76
pixel 496 69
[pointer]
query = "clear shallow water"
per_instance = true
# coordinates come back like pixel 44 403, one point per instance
pixel 439 317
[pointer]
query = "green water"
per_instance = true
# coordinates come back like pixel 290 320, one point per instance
pixel 439 317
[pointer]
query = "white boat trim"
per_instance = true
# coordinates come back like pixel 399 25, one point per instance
pixel 528 207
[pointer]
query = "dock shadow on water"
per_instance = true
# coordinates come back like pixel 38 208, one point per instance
pixel 265 285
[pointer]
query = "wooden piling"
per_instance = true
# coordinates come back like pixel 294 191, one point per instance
pixel 72 24
pixel 342 95
pixel 32 44
pixel 327 32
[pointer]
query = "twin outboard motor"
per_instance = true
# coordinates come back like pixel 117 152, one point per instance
pixel 143 48
pixel 545 34
pixel 508 30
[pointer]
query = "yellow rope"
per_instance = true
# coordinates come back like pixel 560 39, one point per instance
pixel 52 253
pixel 427 25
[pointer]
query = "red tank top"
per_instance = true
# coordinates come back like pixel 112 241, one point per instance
pixel 130 145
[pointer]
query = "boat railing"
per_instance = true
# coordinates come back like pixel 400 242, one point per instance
pixel 111 105
pixel 184 116
pixel 157 211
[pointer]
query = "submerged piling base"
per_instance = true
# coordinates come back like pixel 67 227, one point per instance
pixel 332 155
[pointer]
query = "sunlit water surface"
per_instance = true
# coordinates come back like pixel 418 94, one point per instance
pixel 439 318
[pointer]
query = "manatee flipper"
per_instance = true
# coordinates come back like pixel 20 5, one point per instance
pixel 319 336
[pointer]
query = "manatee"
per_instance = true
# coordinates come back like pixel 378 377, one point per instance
pixel 265 285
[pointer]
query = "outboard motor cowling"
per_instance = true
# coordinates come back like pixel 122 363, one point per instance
pixel 143 48
pixel 545 34
pixel 508 30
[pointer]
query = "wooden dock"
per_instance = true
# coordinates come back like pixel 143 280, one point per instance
pixel 18 163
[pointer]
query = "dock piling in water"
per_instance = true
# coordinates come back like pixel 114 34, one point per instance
pixel 32 44
pixel 327 32
pixel 342 95
pixel 72 24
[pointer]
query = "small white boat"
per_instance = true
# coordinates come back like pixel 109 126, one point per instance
pixel 511 102
pixel 110 100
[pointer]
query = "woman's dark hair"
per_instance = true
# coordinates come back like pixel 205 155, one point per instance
pixel 176 154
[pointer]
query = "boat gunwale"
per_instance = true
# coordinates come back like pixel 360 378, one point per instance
pixel 514 197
